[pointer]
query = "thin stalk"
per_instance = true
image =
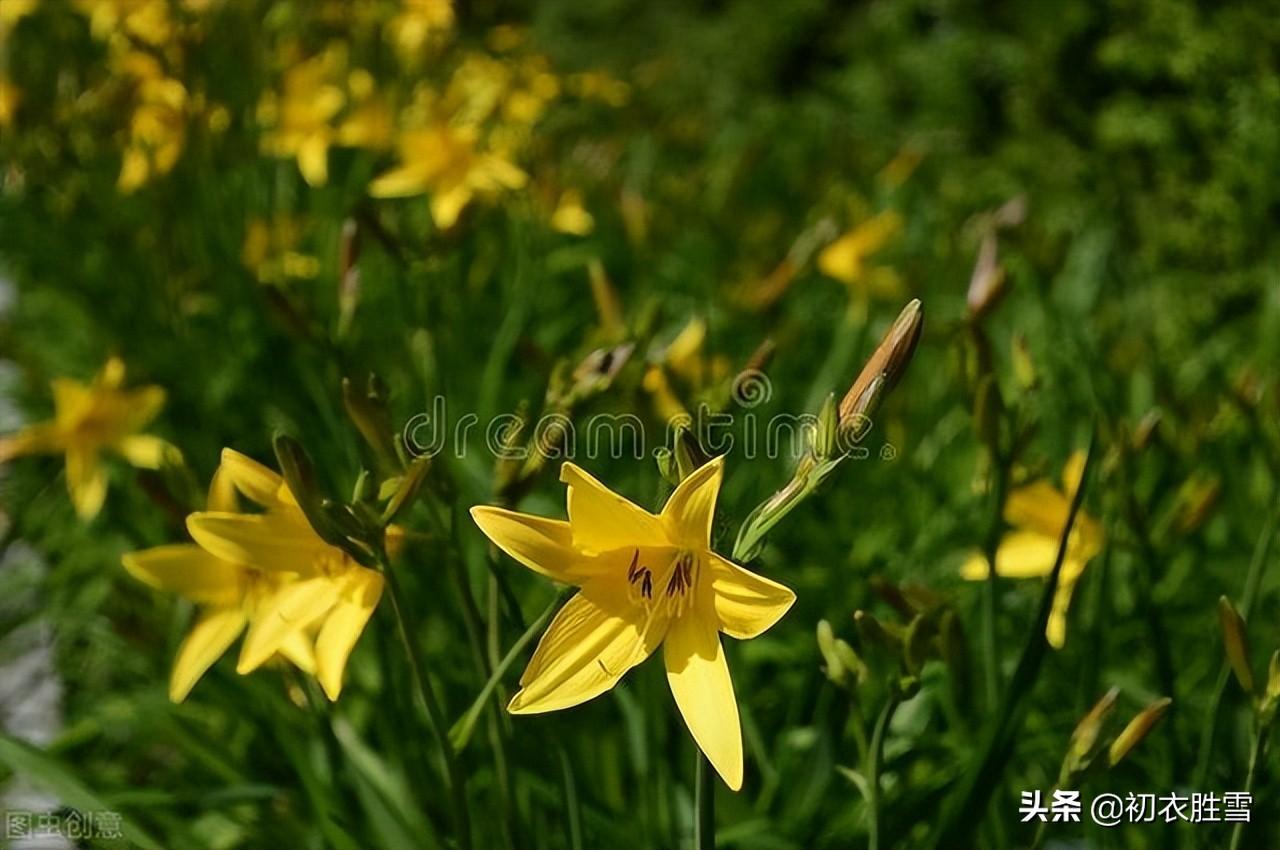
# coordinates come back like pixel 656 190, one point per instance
pixel 435 713
pixel 704 805
pixel 875 757
pixel 1252 581
pixel 1255 758
pixel 991 587
pixel 958 822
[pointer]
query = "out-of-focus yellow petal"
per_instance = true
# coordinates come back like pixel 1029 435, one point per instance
pixel 1072 471
pixel 72 400
pixel 1039 507
pixel 403 182
pixel 189 571
pixel 583 653
pixel 269 542
pixel 699 679
pixel 296 607
pixel 208 639
pixel 543 545
pixel 256 482
pixel 313 159
pixel 1056 629
pixel 145 451
pixel 1022 554
pixel 141 406
pixel 746 604
pixel 448 204
pixel 689 511
pixel 342 627
pixel 300 649
pixel 602 520
pixel 86 481
pixel 41 438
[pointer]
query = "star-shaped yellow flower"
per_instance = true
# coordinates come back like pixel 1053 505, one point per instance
pixel 316 586
pixel 88 420
pixel 645 580
pixel 1038 513
pixel 230 593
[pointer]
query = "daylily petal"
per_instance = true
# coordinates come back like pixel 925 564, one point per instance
pixel 267 541
pixel 313 159
pixel 692 506
pixel 71 401
pixel 189 571
pixel 699 679
pixel 583 653
pixel 343 625
pixel 448 204
pixel 1072 472
pixel 543 545
pixel 256 482
pixel 1056 629
pixel 296 607
pixel 144 451
pixel 402 182
pixel 1039 507
pixel 141 406
pixel 746 604
pixel 207 640
pixel 86 481
pixel 1022 554
pixel 602 520
pixel 300 649
pixel 40 438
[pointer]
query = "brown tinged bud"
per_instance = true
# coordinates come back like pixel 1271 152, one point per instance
pixel 884 368
pixel 1139 727
pixel 986 284
pixel 1087 731
pixel 1235 642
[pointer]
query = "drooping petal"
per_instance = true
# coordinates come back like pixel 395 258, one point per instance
pixel 583 653
pixel 313 159
pixel 342 627
pixel 1056 629
pixel 692 506
pixel 256 482
pixel 208 639
pixel 543 545
pixel 602 520
pixel 300 649
pixel 295 607
pixel 1022 554
pixel 267 541
pixel 86 481
pixel 145 451
pixel 189 571
pixel 699 679
pixel 1038 507
pixel 448 204
pixel 746 604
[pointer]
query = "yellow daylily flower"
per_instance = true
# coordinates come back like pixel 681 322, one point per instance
pixel 570 216
pixel 846 258
pixel 645 580
pixel 157 127
pixel 88 420
pixel 230 593
pixel 319 586
pixel 444 161
pixel 416 23
pixel 301 117
pixel 1038 513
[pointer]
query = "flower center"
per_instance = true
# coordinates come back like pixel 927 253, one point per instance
pixel 670 590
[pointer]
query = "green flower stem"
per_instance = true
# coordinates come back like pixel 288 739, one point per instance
pixel 991 587
pixel 435 713
pixel 875 759
pixel 704 804
pixel 958 823
pixel 1255 758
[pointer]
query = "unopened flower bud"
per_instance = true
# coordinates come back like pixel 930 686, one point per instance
pixel 1087 731
pixel 1139 727
pixel 1235 643
pixel 986 284
pixel 884 368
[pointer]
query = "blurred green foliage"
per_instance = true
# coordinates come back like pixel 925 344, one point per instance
pixel 1140 133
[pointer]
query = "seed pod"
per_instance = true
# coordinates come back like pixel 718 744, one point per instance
pixel 1235 642
pixel 1142 724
